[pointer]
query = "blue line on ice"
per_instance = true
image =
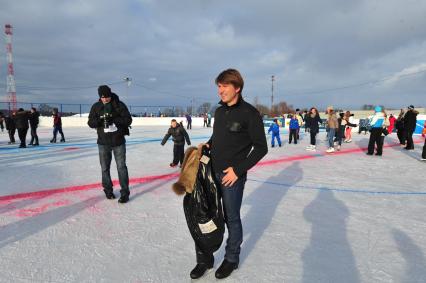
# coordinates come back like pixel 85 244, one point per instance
pixel 15 148
pixel 291 186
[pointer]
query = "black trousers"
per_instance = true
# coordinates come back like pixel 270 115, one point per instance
pixel 12 135
pixel 313 137
pixel 409 137
pixel 178 153
pixel 189 125
pixel 376 139
pixel 424 151
pixel 293 134
pixel 22 133
pixel 34 137
pixel 401 136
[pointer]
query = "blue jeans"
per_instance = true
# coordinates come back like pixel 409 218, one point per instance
pixel 105 156
pixel 276 136
pixel 232 198
pixel 331 134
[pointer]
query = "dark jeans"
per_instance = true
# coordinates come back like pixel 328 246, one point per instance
pixel 12 135
pixel 292 135
pixel 232 198
pixel 424 151
pixel 189 125
pixel 409 137
pixel 376 139
pixel 22 133
pixel 105 156
pixel 178 154
pixel 331 133
pixel 313 137
pixel 57 129
pixel 401 136
pixel 34 136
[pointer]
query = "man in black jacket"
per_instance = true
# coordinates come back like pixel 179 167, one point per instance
pixel 11 127
pixel 21 123
pixel 111 119
pixel 410 120
pixel 179 135
pixel 238 142
pixel 34 120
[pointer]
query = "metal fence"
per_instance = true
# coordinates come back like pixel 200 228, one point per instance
pixel 70 109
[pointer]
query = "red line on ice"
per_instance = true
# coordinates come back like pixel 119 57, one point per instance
pixel 44 193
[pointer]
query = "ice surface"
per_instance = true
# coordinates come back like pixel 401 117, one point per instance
pixel 307 216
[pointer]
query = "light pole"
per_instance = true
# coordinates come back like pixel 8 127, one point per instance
pixel 272 92
pixel 128 83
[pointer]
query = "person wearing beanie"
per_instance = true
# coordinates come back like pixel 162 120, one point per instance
pixel 275 129
pixel 410 120
pixel 34 120
pixel 179 136
pixel 111 119
pixel 21 122
pixel 57 126
pixel 376 122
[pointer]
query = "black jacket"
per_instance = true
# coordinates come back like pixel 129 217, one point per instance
pixel 10 123
pixel 313 123
pixel 21 119
pixel 34 119
pixel 120 116
pixel 238 139
pixel 410 119
pixel 179 135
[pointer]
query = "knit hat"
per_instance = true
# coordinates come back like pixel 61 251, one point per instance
pixel 411 107
pixel 104 91
pixel 378 109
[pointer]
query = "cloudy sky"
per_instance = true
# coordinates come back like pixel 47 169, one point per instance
pixel 326 52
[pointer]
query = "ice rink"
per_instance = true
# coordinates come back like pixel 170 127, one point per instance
pixel 307 216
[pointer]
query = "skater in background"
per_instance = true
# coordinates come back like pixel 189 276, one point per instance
pixel 400 130
pixel 188 121
pixel 111 119
pixel 340 132
pixel 34 120
pixel 332 126
pixel 209 120
pixel 349 125
pixel 205 123
pixel 300 120
pixel 363 124
pixel 424 151
pixel 410 119
pixel 294 128
pixel 376 122
pixel 21 123
pixel 305 117
pixel 275 129
pixel 11 127
pixel 392 121
pixel 57 126
pixel 312 122
pixel 179 136
pixel 2 118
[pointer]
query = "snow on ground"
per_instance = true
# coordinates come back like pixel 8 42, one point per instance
pixel 307 216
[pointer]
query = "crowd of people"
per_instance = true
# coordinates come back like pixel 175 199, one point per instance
pixel 339 127
pixel 23 120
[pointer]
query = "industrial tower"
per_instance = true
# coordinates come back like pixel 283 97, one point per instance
pixel 11 87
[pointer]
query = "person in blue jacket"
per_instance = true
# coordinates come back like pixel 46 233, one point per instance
pixel 275 129
pixel 294 127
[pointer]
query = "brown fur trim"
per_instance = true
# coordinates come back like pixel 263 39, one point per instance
pixel 189 171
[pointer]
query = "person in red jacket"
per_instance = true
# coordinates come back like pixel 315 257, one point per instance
pixel 392 121
pixel 57 126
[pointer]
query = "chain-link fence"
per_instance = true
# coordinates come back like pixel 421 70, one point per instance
pixel 69 109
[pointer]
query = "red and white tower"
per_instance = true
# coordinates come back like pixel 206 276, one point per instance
pixel 11 86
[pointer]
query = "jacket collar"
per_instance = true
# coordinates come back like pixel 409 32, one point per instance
pixel 240 99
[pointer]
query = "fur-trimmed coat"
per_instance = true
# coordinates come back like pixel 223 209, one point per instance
pixel 189 171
